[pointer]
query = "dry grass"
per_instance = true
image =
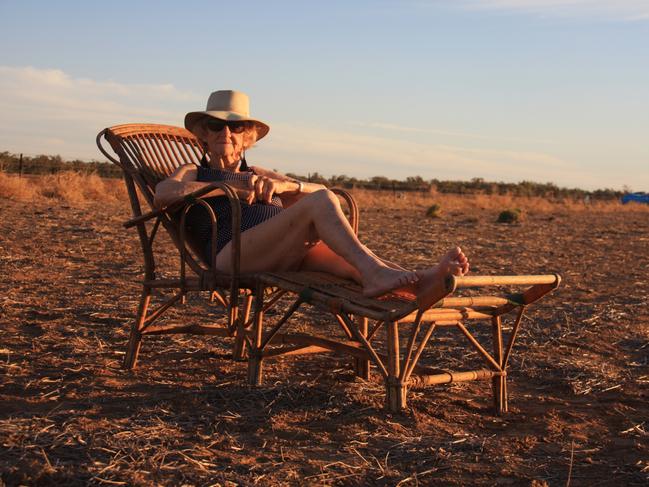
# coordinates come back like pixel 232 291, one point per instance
pixel 467 203
pixel 79 188
pixel 16 189
pixel 68 187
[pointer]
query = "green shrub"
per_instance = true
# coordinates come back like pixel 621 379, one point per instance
pixel 435 211
pixel 510 216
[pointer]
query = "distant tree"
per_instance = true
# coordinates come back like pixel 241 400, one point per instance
pixel 46 164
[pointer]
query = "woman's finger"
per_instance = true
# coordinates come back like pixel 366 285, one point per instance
pixel 269 190
pixel 259 188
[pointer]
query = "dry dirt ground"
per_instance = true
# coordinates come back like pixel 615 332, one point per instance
pixel 69 415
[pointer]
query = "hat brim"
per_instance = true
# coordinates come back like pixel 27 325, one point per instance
pixel 192 118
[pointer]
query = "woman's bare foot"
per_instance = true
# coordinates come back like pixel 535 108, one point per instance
pixel 385 279
pixel 426 284
pixel 431 286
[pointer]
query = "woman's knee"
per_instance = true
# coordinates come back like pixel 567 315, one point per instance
pixel 324 198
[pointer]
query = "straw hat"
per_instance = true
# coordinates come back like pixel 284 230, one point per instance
pixel 227 105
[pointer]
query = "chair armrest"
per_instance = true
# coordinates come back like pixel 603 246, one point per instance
pixel 194 198
pixel 353 207
pixel 173 206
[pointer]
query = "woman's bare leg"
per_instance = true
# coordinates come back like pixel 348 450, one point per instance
pixel 321 258
pixel 430 287
pixel 283 242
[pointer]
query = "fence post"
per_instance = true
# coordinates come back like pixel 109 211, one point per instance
pixel 20 167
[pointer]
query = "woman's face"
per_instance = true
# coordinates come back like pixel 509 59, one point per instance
pixel 225 145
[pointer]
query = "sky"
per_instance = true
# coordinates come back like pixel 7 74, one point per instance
pixel 505 90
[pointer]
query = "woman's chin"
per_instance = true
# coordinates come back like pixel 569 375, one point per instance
pixel 228 160
pixel 224 152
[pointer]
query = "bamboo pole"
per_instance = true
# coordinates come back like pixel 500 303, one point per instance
pixel 449 377
pixel 362 366
pixel 472 301
pixel 498 383
pixel 217 296
pixel 295 350
pixel 395 388
pixel 437 314
pixel 343 325
pixel 375 358
pixel 195 329
pixel 296 304
pixel 275 297
pixel 354 349
pixel 410 346
pixel 479 347
pixel 153 317
pixel 135 337
pixel 154 230
pixel 512 337
pixel 376 327
pixel 239 349
pixel 480 281
pixel 255 358
pixel 420 349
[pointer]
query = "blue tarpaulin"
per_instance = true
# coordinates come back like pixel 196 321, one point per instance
pixel 639 197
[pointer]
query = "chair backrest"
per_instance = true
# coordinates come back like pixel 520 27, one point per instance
pixel 149 153
pixel 152 151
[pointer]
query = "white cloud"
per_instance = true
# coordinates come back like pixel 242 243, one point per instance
pixel 344 152
pixel 48 111
pixel 631 10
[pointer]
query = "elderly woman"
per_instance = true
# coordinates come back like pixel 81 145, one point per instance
pixel 286 224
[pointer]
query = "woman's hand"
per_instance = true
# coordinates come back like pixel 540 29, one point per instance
pixel 264 187
pixel 246 195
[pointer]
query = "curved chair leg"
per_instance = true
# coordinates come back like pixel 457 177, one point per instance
pixel 135 338
pixel 240 353
pixel 396 389
pixel 362 366
pixel 255 355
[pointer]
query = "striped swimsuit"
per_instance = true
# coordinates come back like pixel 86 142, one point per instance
pixel 198 220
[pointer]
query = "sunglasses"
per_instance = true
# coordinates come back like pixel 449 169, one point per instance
pixel 218 125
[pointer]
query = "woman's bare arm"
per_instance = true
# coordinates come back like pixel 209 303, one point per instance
pixel 183 181
pixel 288 189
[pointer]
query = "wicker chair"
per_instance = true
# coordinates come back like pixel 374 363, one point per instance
pixel 147 154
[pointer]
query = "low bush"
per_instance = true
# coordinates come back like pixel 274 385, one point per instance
pixel 434 211
pixel 510 216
